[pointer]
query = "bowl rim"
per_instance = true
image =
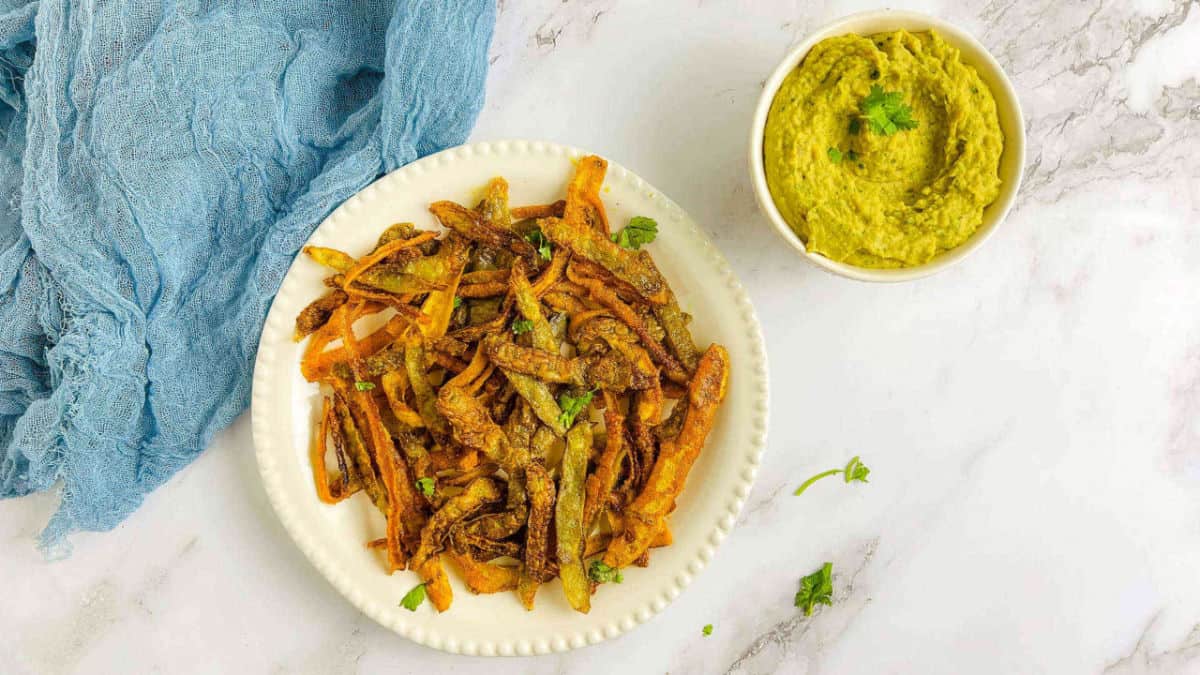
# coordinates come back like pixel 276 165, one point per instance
pixel 1006 97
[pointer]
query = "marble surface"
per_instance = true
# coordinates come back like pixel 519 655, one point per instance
pixel 1031 417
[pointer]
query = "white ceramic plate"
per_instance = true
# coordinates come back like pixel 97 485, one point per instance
pixel 285 406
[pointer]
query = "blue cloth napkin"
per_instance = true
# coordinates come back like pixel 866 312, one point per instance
pixel 160 166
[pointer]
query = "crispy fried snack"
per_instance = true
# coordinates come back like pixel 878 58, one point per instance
pixel 646 517
pixel 465 374
pixel 568 517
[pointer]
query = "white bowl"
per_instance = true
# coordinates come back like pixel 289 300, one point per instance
pixel 1012 160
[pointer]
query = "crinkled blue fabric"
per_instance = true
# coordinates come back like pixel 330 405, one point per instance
pixel 160 165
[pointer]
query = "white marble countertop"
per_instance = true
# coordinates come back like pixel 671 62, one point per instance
pixel 1031 417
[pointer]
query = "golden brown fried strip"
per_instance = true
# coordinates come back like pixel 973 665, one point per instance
pixel 329 493
pixel 330 257
pixel 394 384
pixel 494 207
pixel 584 207
pixel 402 497
pixel 437 586
pixel 317 313
pixel 485 277
pixel 383 252
pixel 439 305
pixel 485 577
pixel 543 365
pixel 526 299
pixel 647 515
pixel 600 483
pixel 478 494
pixel 470 224
pixel 364 468
pixel 564 302
pixel 484 290
pixel 621 263
pixel 678 337
pixel 472 425
pixel 568 517
pixel 425 397
pixel 671 368
pixel 554 210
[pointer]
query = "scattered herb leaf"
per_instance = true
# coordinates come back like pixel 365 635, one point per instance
pixel 572 406
pixel 640 230
pixel 816 589
pixel 540 242
pixel 425 485
pixel 413 599
pixel 835 155
pixel 707 630
pixel 602 574
pixel 855 126
pixel 886 112
pixel 854 470
pixel 364 386
pixel 457 302
pixel 521 326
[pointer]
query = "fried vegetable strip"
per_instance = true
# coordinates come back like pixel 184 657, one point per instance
pixel 583 207
pixel 485 577
pixel 473 226
pixel 527 305
pixel 568 517
pixel 383 252
pixel 554 210
pixel 317 313
pixel 678 337
pixel 625 313
pixel 363 466
pixel 543 365
pixel 439 305
pixel 479 493
pixel 330 257
pixel 329 493
pixel 472 425
pixel 437 586
pixel 494 207
pixel 541 508
pixel 600 483
pixel 646 517
pixel 623 264
pixel 426 399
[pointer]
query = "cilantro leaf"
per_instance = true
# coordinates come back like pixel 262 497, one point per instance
pixel 413 599
pixel 602 574
pixel 457 302
pixel 885 111
pixel 835 155
pixel 640 230
pixel 521 326
pixel 540 242
pixel 425 485
pixel 854 470
pixel 572 406
pixel 707 630
pixel 364 386
pixel 816 589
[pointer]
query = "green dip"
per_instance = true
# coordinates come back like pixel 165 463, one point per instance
pixel 891 200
